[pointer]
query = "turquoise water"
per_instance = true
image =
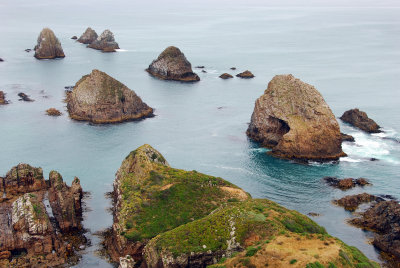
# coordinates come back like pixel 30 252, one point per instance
pixel 349 51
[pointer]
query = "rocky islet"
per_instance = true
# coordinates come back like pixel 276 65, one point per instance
pixel 360 119
pixel 48 46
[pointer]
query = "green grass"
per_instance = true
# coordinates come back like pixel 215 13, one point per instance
pixel 251 251
pixel 293 261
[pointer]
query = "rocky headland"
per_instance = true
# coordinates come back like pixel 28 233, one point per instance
pixel 172 64
pixel 99 98
pixel 88 37
pixel 360 119
pixel 105 42
pixel 293 119
pixel 40 219
pixel 3 98
pixel 167 217
pixel 48 46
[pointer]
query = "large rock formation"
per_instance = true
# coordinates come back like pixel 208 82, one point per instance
pixel 166 217
pixel 172 65
pixel 88 37
pixel 48 46
pixel 105 42
pixel 360 120
pixel 99 98
pixel 3 98
pixel 293 119
pixel 30 236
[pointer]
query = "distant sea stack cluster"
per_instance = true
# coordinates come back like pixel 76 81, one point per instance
pixel 105 42
pixel 172 64
pixel 99 98
pixel 48 46
pixel 293 119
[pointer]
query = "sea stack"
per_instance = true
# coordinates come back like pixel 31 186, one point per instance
pixel 48 46
pixel 293 119
pixel 88 37
pixel 99 98
pixel 105 42
pixel 360 119
pixel 172 65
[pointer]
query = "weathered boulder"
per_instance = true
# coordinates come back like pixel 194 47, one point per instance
pixel 246 74
pixel 105 42
pixel 53 112
pixel 345 184
pixel 293 119
pixel 360 119
pixel 29 236
pixel 347 137
pixel 225 76
pixel 166 217
pixel 88 37
pixel 351 202
pixel 384 219
pixel 24 97
pixel 3 98
pixel 48 46
pixel 172 64
pixel 99 98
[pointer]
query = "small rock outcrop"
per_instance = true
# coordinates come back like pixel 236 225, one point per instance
pixel 360 119
pixel 245 74
pixel 167 217
pixel 74 37
pixel 99 98
pixel 1 59
pixel 293 119
pixel 225 76
pixel 347 137
pixel 88 37
pixel 30 236
pixel 3 98
pixel 24 97
pixel 351 202
pixel 345 184
pixel 53 112
pixel 172 65
pixel 384 219
pixel 105 42
pixel 48 46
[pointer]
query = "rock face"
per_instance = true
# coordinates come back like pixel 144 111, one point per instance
pixel 27 224
pixel 99 98
pixel 245 74
pixel 225 76
pixel 3 98
pixel 88 37
pixel 48 46
pixel 166 217
pixel 293 119
pixel 172 65
pixel 53 112
pixel 360 120
pixel 384 219
pixel 105 42
pixel 345 184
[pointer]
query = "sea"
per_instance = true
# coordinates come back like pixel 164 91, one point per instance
pixel 349 50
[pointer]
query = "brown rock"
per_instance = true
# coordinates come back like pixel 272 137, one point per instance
pixel 293 119
pixel 24 97
pixel 88 37
pixel 225 76
pixel 360 120
pixel 48 46
pixel 105 42
pixel 245 74
pixel 345 184
pixel 347 137
pixel 53 112
pixel 3 98
pixel 384 219
pixel 172 65
pixel 5 255
pixel 99 98
pixel 351 202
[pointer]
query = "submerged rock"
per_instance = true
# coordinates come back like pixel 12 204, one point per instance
pixel 293 119
pixel 105 42
pixel 24 97
pixel 48 46
pixel 347 137
pixel 345 184
pixel 360 119
pixel 74 37
pixel 351 202
pixel 1 60
pixel 29 238
pixel 3 98
pixel 88 37
pixel 245 74
pixel 233 68
pixel 99 98
pixel 167 217
pixel 53 112
pixel 172 65
pixel 225 76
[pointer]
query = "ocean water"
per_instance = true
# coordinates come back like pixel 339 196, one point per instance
pixel 349 50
